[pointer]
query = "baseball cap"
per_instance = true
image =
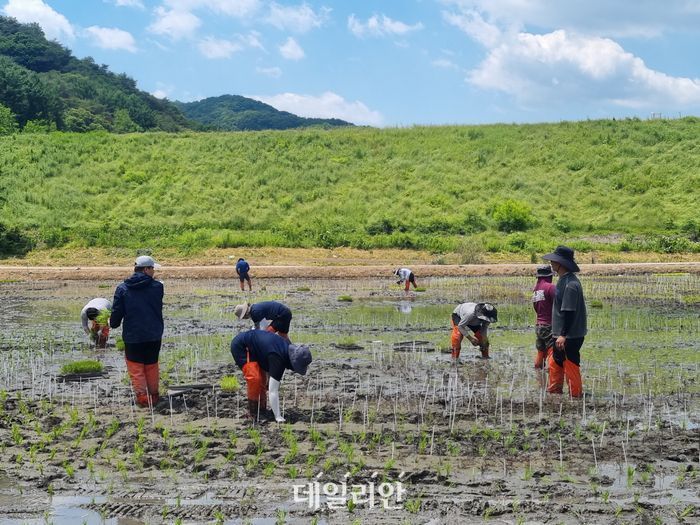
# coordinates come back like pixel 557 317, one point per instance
pixel 145 261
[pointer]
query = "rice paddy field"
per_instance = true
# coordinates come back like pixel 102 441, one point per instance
pixel 382 429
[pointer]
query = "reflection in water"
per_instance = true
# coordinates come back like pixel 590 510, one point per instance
pixel 404 307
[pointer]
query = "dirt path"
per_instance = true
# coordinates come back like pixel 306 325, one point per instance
pixel 26 273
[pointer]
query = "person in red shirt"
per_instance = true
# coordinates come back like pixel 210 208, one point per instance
pixel 542 301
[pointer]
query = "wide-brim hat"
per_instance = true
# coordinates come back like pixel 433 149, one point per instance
pixel 564 256
pixel 241 310
pixel 300 357
pixel 486 312
pixel 544 270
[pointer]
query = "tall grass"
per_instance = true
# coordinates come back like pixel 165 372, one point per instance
pixel 424 187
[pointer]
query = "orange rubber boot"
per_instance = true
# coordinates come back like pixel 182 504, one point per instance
pixel 573 378
pixel 152 381
pixel 137 374
pixel 556 376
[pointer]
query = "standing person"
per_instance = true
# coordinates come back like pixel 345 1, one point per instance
pixel 242 269
pixel 268 315
pixel 263 357
pixel 138 301
pixel 474 318
pixel 542 301
pixel 569 324
pixel 405 276
pixel 95 319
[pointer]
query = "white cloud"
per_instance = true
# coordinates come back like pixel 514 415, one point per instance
pixel 291 50
pixel 111 38
pixel 129 3
pixel 234 8
pixel 475 26
pixel 327 105
pixel 613 18
pixel 380 26
pixel 444 63
pixel 272 72
pixel 561 67
pixel 298 19
pixel 252 39
pixel 54 24
pixel 175 24
pixel 214 48
pixel 159 93
pixel 163 90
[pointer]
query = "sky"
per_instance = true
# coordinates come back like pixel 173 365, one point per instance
pixel 391 63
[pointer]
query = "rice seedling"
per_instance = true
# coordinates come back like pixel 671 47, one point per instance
pixel 229 384
pixel 85 366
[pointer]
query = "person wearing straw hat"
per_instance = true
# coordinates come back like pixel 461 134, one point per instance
pixel 263 357
pixel 95 320
pixel 542 301
pixel 267 315
pixel 569 324
pixel 472 318
pixel 138 302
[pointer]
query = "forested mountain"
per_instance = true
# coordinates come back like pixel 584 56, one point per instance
pixel 42 85
pixel 236 113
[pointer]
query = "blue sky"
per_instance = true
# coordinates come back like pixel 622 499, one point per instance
pixel 397 62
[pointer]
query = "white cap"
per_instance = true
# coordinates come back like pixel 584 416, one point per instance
pixel 145 261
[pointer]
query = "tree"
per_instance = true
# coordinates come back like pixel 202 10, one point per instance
pixel 123 122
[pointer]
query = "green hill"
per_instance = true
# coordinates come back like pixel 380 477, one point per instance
pixel 236 113
pixel 613 185
pixel 43 86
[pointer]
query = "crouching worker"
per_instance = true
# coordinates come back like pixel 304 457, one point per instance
pixel 264 356
pixel 406 277
pixel 269 315
pixel 95 319
pixel 138 301
pixel 472 318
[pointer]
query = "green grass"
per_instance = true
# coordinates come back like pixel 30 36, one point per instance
pixel 409 188
pixel 82 367
pixel 230 384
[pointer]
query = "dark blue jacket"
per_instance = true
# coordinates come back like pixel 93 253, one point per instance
pixel 258 345
pixel 242 267
pixel 139 302
pixel 269 310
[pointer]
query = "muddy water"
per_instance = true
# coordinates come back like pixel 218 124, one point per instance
pixel 381 404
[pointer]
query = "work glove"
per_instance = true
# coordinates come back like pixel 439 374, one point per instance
pixel 559 356
pixel 280 419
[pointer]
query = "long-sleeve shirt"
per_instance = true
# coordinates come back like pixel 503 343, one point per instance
pixel 569 309
pixel 468 319
pixel 404 274
pixel 100 304
pixel 542 301
pixel 269 350
pixel 267 310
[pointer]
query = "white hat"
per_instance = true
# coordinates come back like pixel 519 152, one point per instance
pixel 145 261
pixel 241 310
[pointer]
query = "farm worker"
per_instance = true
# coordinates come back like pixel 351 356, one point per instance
pixel 242 269
pixel 268 315
pixel 95 319
pixel 568 324
pixel 542 300
pixel 474 318
pixel 405 276
pixel 138 301
pixel 264 356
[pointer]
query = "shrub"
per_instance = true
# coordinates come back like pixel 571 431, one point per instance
pixel 85 366
pixel 512 215
pixel 13 243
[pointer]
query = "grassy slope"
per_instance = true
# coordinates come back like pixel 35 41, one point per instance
pixel 314 187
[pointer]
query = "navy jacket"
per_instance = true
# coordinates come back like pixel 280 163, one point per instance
pixel 270 310
pixel 260 346
pixel 242 267
pixel 139 302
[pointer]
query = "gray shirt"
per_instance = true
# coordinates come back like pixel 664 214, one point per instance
pixel 100 303
pixel 467 318
pixel 569 298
